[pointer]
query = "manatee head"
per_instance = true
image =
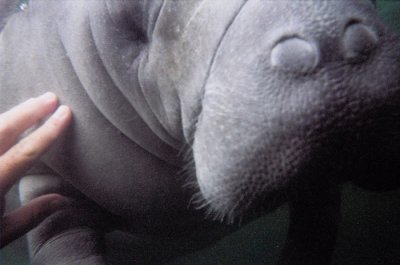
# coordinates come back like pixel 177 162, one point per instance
pixel 297 91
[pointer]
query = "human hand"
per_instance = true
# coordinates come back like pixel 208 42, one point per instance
pixel 18 156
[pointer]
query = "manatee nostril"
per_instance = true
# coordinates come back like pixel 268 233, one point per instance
pixel 359 40
pixel 295 54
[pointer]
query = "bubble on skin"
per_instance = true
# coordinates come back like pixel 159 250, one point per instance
pixel 23 5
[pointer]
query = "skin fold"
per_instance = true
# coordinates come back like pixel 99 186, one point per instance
pixel 188 113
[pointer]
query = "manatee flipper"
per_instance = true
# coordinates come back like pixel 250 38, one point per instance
pixel 313 227
pixel 73 234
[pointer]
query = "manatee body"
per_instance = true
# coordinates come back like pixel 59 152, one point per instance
pixel 187 109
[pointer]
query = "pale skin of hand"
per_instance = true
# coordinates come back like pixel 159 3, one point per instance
pixel 18 155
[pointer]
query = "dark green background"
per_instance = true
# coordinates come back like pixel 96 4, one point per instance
pixel 369 232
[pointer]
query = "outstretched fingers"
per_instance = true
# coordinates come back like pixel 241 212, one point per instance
pixel 16 160
pixel 17 156
pixel 23 116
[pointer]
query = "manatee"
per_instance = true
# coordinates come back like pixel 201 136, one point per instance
pixel 194 117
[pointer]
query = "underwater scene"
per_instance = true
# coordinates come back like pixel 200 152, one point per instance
pixel 369 232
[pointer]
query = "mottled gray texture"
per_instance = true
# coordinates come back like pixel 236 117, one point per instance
pixel 271 101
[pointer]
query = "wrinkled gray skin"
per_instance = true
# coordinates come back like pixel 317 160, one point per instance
pixel 247 104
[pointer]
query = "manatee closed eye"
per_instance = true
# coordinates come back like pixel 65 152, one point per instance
pixel 202 115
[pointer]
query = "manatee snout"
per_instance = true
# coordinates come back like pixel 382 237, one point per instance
pixel 288 96
pixel 293 53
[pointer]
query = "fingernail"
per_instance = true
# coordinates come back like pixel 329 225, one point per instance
pixel 59 203
pixel 48 97
pixel 61 112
